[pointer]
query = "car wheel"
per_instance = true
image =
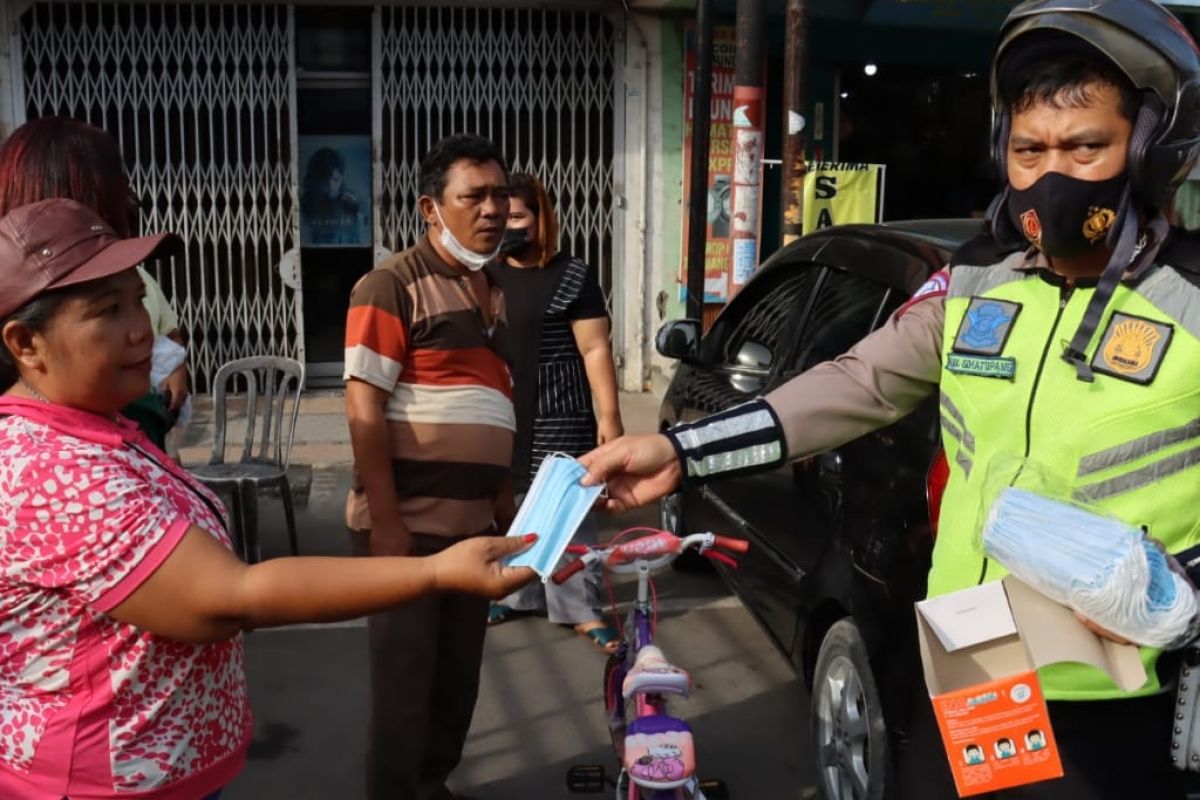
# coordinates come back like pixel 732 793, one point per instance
pixel 848 731
pixel 670 514
pixel 670 519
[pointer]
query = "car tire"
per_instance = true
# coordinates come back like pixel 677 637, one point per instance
pixel 670 514
pixel 849 738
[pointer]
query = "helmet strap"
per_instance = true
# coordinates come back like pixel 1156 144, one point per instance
pixel 1128 242
pixel 1132 252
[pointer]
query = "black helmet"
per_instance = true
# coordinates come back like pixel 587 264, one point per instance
pixel 1152 48
pixel 1158 56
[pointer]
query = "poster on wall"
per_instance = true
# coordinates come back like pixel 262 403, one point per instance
pixel 718 247
pixel 841 194
pixel 335 191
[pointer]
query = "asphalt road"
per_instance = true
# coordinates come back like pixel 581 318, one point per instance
pixel 540 708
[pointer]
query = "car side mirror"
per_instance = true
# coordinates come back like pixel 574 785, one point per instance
pixel 679 339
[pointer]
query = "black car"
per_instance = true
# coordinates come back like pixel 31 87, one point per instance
pixel 840 543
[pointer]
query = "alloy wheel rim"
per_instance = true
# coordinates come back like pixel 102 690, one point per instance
pixel 844 732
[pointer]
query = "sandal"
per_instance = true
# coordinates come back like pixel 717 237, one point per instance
pixel 499 613
pixel 602 636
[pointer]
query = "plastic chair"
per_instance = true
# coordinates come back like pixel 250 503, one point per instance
pixel 270 383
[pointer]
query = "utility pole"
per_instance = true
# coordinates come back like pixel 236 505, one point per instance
pixel 745 197
pixel 698 196
pixel 792 183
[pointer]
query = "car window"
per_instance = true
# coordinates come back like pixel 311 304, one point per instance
pixel 758 320
pixel 846 308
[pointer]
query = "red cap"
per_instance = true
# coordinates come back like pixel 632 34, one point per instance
pixel 59 242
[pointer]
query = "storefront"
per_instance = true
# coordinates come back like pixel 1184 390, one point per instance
pixel 282 141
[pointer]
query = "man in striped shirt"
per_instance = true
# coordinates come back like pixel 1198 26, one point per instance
pixel 429 403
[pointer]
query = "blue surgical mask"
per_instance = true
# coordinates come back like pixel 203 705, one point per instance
pixel 1098 565
pixel 554 507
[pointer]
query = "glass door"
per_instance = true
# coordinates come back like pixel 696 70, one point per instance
pixel 333 101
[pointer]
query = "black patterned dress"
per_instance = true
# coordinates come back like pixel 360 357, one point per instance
pixel 551 394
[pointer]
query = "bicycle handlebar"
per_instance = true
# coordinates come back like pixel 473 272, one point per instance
pixel 659 547
pixel 566 572
pixel 733 545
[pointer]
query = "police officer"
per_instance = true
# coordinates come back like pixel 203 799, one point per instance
pixel 1067 336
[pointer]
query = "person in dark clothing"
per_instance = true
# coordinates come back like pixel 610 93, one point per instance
pixel 558 349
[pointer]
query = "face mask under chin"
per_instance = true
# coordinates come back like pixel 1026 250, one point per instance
pixel 463 254
pixel 1066 217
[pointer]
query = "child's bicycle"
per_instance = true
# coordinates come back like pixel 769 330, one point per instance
pixel 655 751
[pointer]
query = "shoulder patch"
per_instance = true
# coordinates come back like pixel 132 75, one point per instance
pixel 937 286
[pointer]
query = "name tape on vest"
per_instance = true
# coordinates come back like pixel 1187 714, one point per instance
pixel 982 366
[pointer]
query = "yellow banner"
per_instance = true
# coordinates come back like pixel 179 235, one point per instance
pixel 840 194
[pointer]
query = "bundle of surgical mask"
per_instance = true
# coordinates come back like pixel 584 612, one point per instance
pixel 1108 571
pixel 554 508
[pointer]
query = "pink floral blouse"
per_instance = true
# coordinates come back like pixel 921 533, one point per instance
pixel 91 708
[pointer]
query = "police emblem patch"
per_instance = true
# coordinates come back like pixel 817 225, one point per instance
pixel 1098 223
pixel 1031 226
pixel 985 328
pixel 1132 348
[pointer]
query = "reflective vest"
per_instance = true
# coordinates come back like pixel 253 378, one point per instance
pixel 1013 411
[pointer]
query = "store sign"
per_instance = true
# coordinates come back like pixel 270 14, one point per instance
pixel 842 194
pixel 718 245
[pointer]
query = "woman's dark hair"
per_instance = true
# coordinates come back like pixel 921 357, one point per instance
pixel 35 315
pixel 1059 71
pixel 63 157
pixel 321 165
pixel 525 187
pixel 443 155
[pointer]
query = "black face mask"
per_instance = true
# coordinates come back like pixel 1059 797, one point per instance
pixel 1066 217
pixel 515 242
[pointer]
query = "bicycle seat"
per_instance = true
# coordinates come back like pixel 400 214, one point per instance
pixel 653 674
pixel 659 752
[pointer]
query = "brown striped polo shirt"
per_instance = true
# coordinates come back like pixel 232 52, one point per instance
pixel 414 329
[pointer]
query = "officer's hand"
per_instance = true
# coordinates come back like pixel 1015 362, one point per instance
pixel 637 469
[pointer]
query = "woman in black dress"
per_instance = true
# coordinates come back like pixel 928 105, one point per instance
pixel 558 347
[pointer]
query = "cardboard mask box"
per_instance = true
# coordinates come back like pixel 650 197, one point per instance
pixel 981 648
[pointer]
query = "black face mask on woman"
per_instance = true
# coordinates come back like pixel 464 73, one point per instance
pixel 515 242
pixel 1065 217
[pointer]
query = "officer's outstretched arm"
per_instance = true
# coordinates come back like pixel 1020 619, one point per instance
pixel 881 379
pixel 878 381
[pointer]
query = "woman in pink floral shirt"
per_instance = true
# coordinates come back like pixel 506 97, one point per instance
pixel 121 605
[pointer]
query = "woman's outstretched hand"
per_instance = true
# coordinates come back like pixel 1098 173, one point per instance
pixel 637 469
pixel 474 566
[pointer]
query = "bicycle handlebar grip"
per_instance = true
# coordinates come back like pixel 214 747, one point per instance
pixel 733 545
pixel 566 572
